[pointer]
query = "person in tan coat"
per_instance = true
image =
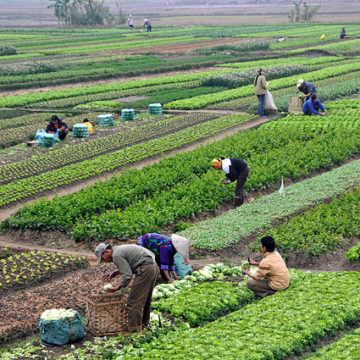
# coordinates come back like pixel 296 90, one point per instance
pixel 260 90
pixel 272 274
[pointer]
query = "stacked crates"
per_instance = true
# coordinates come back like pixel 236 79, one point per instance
pixel 106 120
pixel 80 131
pixel 127 114
pixel 155 109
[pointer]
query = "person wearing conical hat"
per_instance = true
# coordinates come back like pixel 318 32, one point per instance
pixel 148 25
pixel 165 249
pixel 235 170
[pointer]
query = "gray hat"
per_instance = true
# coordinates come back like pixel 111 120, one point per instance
pixel 100 250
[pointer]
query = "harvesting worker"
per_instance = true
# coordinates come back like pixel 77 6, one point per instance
pixel 164 249
pixel 272 274
pixel 342 33
pixel 89 126
pixel 307 88
pixel 132 260
pixel 235 170
pixel 57 124
pixel 148 25
pixel 313 105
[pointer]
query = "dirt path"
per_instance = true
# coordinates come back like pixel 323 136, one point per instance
pixel 9 210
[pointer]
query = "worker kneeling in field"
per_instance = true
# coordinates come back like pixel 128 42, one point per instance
pixel 272 274
pixel 130 260
pixel 165 249
pixel 235 170
pixel 89 126
pixel 56 124
pixel 313 105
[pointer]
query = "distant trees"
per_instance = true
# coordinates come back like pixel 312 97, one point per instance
pixel 81 12
pixel 297 14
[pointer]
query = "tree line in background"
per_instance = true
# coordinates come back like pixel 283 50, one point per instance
pixel 85 13
pixel 303 14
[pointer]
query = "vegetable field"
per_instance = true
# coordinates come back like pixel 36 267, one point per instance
pixel 152 173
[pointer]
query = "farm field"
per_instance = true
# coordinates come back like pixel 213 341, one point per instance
pixel 152 173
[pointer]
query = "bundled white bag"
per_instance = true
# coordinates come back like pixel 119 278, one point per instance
pixel 269 101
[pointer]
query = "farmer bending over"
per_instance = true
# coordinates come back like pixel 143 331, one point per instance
pixel 130 260
pixel 313 105
pixel 56 124
pixel 165 249
pixel 235 170
pixel 306 87
pixel 272 274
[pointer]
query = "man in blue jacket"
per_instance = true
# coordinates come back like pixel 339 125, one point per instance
pixel 313 105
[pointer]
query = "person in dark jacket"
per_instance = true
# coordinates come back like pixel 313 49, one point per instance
pixel 312 106
pixel 235 170
pixel 306 87
pixel 56 124
pixel 148 25
pixel 343 33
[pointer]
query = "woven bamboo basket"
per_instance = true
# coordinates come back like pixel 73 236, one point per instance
pixel 295 104
pixel 106 314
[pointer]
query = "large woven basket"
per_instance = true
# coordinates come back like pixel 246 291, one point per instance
pixel 106 314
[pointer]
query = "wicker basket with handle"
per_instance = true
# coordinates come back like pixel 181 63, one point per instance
pixel 106 314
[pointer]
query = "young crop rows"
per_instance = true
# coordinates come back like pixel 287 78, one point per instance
pixel 262 212
pixel 26 187
pixel 92 148
pixel 27 268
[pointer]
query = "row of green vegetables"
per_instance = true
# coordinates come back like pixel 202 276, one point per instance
pixel 135 185
pixel 268 329
pixel 115 94
pixel 162 96
pixel 301 154
pixel 28 268
pixel 346 348
pixel 30 186
pixel 323 228
pixel 204 100
pixel 225 230
pixel 282 61
pixel 125 45
pixel 339 47
pixel 22 120
pixel 102 70
pixel 26 99
pixel 281 96
pixel 183 193
pixel 312 298
pixel 124 137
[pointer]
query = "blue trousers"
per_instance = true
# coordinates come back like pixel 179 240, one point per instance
pixel 261 104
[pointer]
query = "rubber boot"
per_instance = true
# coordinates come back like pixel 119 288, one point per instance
pixel 238 201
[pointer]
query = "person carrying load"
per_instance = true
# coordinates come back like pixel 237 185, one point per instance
pixel 165 249
pixel 132 260
pixel 57 124
pixel 235 170
pixel 313 105
pixel 306 87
